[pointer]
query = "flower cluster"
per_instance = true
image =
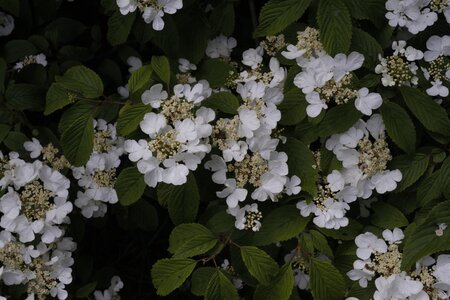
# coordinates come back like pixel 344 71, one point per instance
pixel 98 176
pixel 177 133
pixel 33 249
pixel 152 10
pixel 416 15
pixel 399 68
pixel 325 79
pixel 249 163
pixel 381 259
pixel 112 292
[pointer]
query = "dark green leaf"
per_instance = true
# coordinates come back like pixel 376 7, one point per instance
pixel 161 67
pixel 220 288
pixel 119 27
pixel 399 126
pixel 223 101
pixel 82 80
pixel 129 186
pixel 387 216
pixel 327 283
pixel 293 107
pixel 169 274
pixel 280 288
pixel 78 141
pixel 276 15
pixel 259 264
pixel 192 239
pixel 338 119
pixel 130 116
pixel 412 167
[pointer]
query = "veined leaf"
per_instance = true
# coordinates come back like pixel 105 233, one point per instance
pixel 129 186
pixel 327 283
pixel 220 288
pixel 259 264
pixel 82 80
pixel 169 274
pixel 191 239
pixel 280 288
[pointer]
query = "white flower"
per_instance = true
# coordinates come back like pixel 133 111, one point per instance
pixel 315 104
pixel 292 186
pixel 336 181
pixel 174 173
pixel 437 46
pixel 137 150
pixel 249 122
pixel 386 181
pixel 221 46
pixel 393 237
pixel 366 102
pixel 369 243
pixel 112 291
pixel 293 52
pixel 123 91
pixel 398 287
pixel 153 123
pixel 185 65
pixel 34 147
pixel 126 6
pixel 236 151
pixel 437 89
pixel 134 63
pixel 252 57
pixel 154 95
pixel 345 64
pixel 241 215
pixel 442 272
pixel 153 13
pixel 6 24
pixel 233 194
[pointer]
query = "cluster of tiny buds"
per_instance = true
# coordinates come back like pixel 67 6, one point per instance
pixel 43 282
pixel 35 200
pixel 309 40
pixel 256 105
pixel 29 60
pixel 252 219
pixel 225 130
pixel 323 193
pixel 387 263
pixel 438 68
pixel 143 4
pixel 49 155
pixel 340 91
pixel 175 109
pixel 273 44
pixel 105 178
pixel 249 170
pixel 165 145
pixel 102 141
pixel 439 6
pixel 231 80
pixel 398 69
pixel 374 156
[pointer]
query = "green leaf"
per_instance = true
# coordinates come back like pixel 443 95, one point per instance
pixel 363 42
pixel 259 264
pixel 78 141
pixel 75 112
pixel 373 10
pixel 129 186
pixel 215 71
pixel 387 216
pixel 335 26
pixel 293 107
pixel 280 224
pixel 161 66
pixel 182 200
pixel 14 141
pixel 16 50
pixel 119 27
pixel 4 130
pixel 223 101
pixel 412 166
pixel 433 187
pixel 169 274
pixel 192 239
pixel 320 243
pixel 220 288
pixel 57 98
pixel 327 283
pixel 430 114
pixel 276 15
pixel 422 240
pixel 82 80
pixel 280 288
pixel 130 116
pixel 338 119
pixel 23 96
pixel 139 81
pixel 86 290
pixel 399 126
pixel 300 162
pixel 11 6
pixel 199 277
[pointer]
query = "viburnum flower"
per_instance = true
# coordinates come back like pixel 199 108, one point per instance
pixel 237 282
pixel 6 24
pixel 415 15
pixel 31 59
pixel 364 154
pixel 247 217
pixel 178 134
pixel 220 47
pixel 152 11
pixel 98 176
pixel 399 69
pixel 112 292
